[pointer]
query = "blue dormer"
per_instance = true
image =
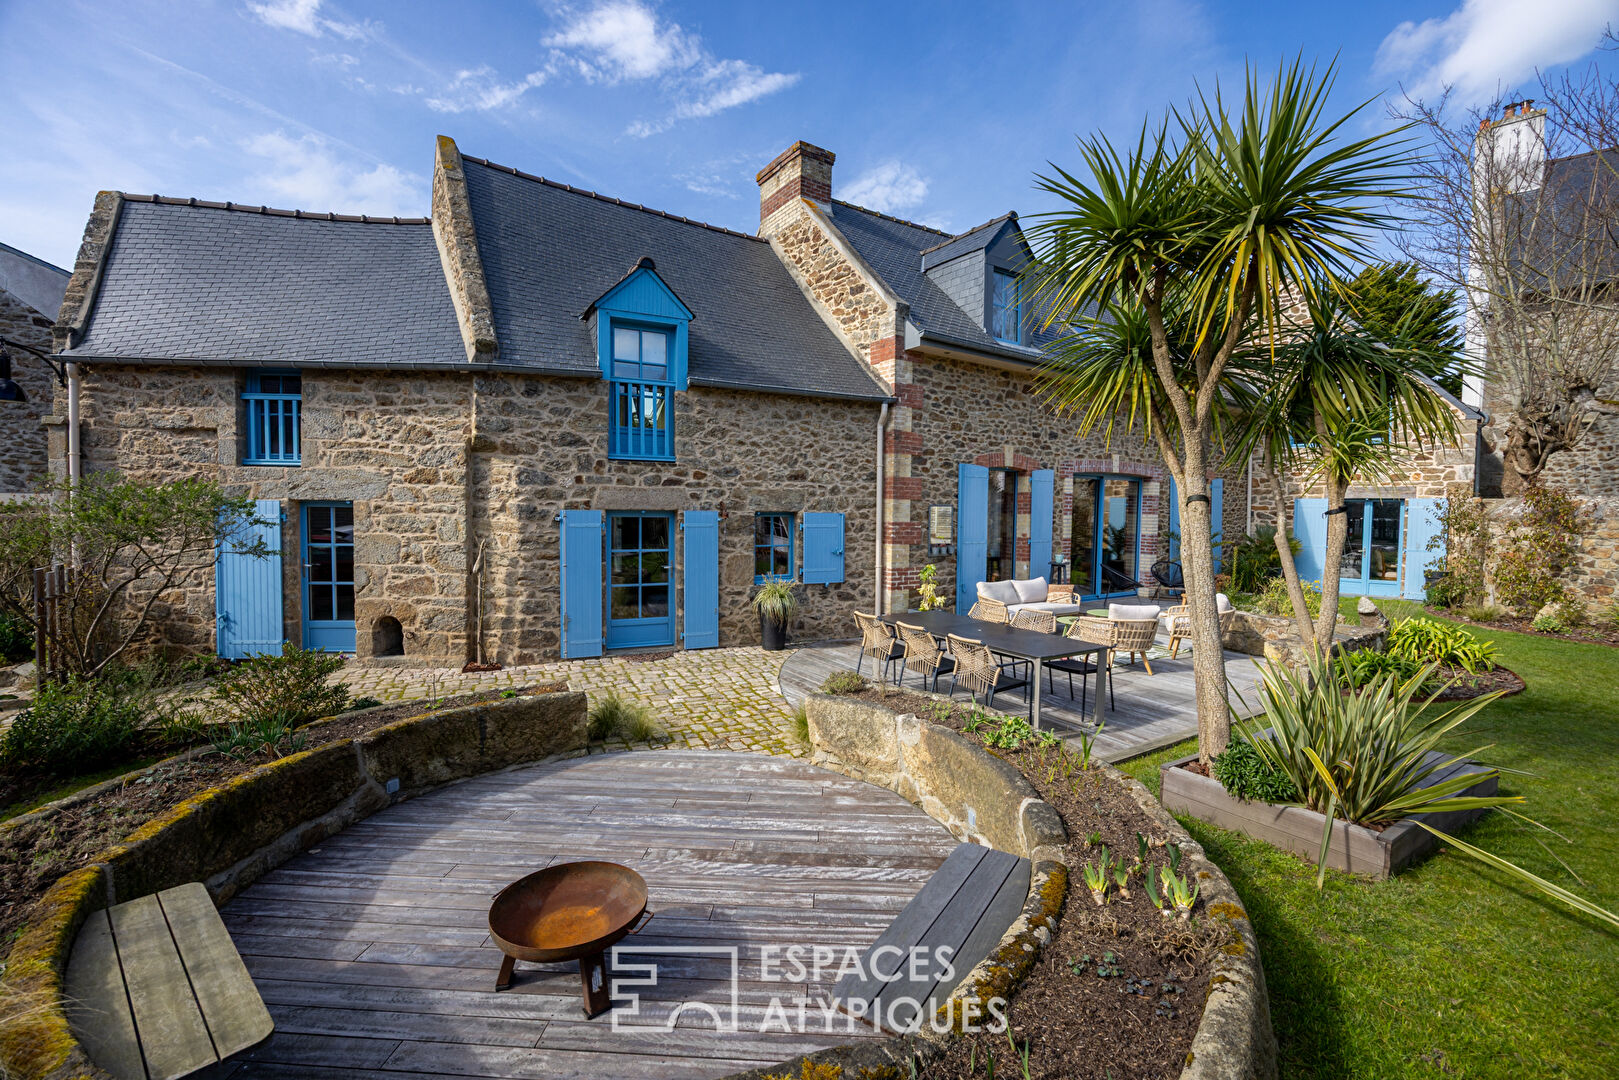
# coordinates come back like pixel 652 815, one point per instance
pixel 641 344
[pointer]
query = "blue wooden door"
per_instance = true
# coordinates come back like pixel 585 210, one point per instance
pixel 972 533
pixel 640 561
pixel 700 575
pixel 328 577
pixel 1042 507
pixel 581 559
pixel 247 586
pixel 1421 526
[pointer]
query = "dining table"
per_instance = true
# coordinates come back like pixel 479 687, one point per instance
pixel 1030 645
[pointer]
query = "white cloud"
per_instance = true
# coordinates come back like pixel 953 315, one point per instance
pixel 618 41
pixel 304 17
pixel 480 89
pixel 887 188
pixel 1488 45
pixel 307 173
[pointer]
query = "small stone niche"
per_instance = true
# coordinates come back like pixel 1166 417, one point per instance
pixel 387 637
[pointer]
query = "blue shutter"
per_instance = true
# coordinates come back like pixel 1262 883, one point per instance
pixel 247 588
pixel 1217 517
pixel 1421 526
pixel 1174 521
pixel 823 549
pixel 700 573
pixel 1042 499
pixel 582 583
pixel 1310 526
pixel 972 533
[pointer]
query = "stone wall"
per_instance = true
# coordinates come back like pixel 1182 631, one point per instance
pixel 1594 579
pixel 22 437
pixel 435 462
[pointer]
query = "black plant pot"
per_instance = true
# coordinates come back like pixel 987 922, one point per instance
pixel 772 634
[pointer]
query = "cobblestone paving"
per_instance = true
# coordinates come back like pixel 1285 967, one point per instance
pixel 706 699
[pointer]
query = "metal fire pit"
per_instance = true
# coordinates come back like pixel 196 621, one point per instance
pixel 572 911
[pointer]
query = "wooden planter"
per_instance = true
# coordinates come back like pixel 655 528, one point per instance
pixel 1354 848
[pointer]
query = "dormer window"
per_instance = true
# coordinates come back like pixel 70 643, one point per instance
pixel 1006 308
pixel 642 339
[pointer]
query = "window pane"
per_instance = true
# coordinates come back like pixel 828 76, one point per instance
pixel 1385 561
pixel 761 562
pixel 320 603
pixel 763 528
pixel 655 567
pixel 345 603
pixel 320 564
pixel 626 533
pixel 626 345
pixel 626 569
pixel 781 565
pixel 343 516
pixel 626 603
pixel 320 524
pixel 345 563
pixel 1355 543
pixel 655 602
pixel 654 354
pixel 655 532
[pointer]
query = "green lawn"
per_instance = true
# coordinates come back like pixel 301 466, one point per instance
pixel 1453 969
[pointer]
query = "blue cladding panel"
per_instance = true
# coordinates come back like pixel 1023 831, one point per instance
pixel 247 588
pixel 1310 527
pixel 581 583
pixel 1217 516
pixel 700 565
pixel 972 533
pixel 1421 526
pixel 823 549
pixel 1042 504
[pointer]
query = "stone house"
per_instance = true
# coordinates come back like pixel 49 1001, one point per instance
pixel 30 295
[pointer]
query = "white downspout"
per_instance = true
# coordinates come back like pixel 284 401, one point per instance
pixel 75 466
pixel 880 605
pixel 1248 528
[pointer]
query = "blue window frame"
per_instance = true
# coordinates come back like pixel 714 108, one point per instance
pixel 1006 308
pixel 273 401
pixel 640 392
pixel 772 547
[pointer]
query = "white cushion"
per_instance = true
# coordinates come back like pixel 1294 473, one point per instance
pixel 1052 606
pixel 1133 611
pixel 1222 602
pixel 1032 591
pixel 1003 591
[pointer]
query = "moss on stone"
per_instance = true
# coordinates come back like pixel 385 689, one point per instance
pixel 35 1040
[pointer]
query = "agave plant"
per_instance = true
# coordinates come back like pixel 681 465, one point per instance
pixel 1364 756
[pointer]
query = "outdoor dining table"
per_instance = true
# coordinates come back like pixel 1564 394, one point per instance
pixel 1030 645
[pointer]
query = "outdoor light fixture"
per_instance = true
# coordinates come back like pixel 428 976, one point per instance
pixel 9 391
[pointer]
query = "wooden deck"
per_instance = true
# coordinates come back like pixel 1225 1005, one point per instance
pixel 1152 711
pixel 373 955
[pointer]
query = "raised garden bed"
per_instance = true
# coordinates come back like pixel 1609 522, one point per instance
pixel 1355 849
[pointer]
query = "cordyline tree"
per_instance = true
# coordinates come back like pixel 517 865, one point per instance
pixel 1337 402
pixel 129 546
pixel 1193 235
pixel 1519 212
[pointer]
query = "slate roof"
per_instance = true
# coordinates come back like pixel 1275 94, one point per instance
pixel 187 281
pixel 550 250
pixel 893 248
pixel 1561 229
pixel 975 239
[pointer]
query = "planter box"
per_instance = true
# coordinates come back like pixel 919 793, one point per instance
pixel 1354 848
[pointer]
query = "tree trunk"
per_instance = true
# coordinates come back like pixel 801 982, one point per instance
pixel 1290 568
pixel 1197 562
pixel 1337 533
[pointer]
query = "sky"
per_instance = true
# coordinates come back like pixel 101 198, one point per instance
pixel 940 112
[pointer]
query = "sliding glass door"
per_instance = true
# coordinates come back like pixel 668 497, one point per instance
pixel 1105 536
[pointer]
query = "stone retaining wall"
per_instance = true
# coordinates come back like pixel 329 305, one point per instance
pixel 1275 637
pixel 230 835
pixel 985 800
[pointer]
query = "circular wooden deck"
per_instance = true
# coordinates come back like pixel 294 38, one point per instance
pixel 373 955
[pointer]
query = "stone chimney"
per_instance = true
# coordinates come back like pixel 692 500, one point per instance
pixel 1509 154
pixel 802 171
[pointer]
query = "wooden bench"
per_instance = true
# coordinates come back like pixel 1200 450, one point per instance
pixel 156 990
pixel 966 906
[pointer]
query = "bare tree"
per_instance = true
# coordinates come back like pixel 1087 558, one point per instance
pixel 1520 213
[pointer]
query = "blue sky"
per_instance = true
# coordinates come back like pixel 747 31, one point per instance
pixel 937 111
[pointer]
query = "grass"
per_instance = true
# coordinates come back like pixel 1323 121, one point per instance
pixel 68 786
pixel 612 717
pixel 1454 969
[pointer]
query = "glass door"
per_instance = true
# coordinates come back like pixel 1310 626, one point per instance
pixel 1001 555
pixel 640 607
pixel 1371 562
pixel 1082 535
pixel 328 576
pixel 1105 541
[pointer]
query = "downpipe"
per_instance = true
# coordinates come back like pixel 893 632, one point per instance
pixel 880 604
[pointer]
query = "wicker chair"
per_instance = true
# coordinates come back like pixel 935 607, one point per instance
pixel 923 652
pixel 877 641
pixel 985 610
pixel 1133 636
pixel 977 667
pixel 1179 621
pixel 1043 622
pixel 1083 666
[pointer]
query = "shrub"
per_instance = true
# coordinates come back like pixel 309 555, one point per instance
pixel 611 716
pixel 1548 624
pixel 1246 775
pixel 271 736
pixel 16 637
pixel 1540 550
pixel 1463 537
pixel 1273 598
pixel 76 726
pixel 1254 560
pixel 1482 612
pixel 1358 668
pixel 844 682
pixel 1429 641
pixel 292 687
pixel 366 703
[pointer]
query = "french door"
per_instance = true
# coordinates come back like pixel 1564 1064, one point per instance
pixel 1371 562
pixel 640 590
pixel 328 576
pixel 1105 536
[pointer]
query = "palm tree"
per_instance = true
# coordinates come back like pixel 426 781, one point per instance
pixel 1341 403
pixel 1194 237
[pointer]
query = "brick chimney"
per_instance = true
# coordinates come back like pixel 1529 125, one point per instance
pixel 803 170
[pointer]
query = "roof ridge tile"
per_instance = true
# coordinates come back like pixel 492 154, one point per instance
pixel 1010 215
pixel 891 217
pixel 305 215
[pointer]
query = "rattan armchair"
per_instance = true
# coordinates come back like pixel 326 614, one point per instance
pixel 977 667
pixel 1083 666
pixel 1133 636
pixel 1043 622
pixel 986 610
pixel 923 652
pixel 877 641
pixel 1178 619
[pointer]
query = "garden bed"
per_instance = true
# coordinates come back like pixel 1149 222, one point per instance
pixel 1465 685
pixel 1119 991
pixel 39 847
pixel 1588 635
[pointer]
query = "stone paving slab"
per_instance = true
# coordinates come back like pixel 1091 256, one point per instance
pixel 704 699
